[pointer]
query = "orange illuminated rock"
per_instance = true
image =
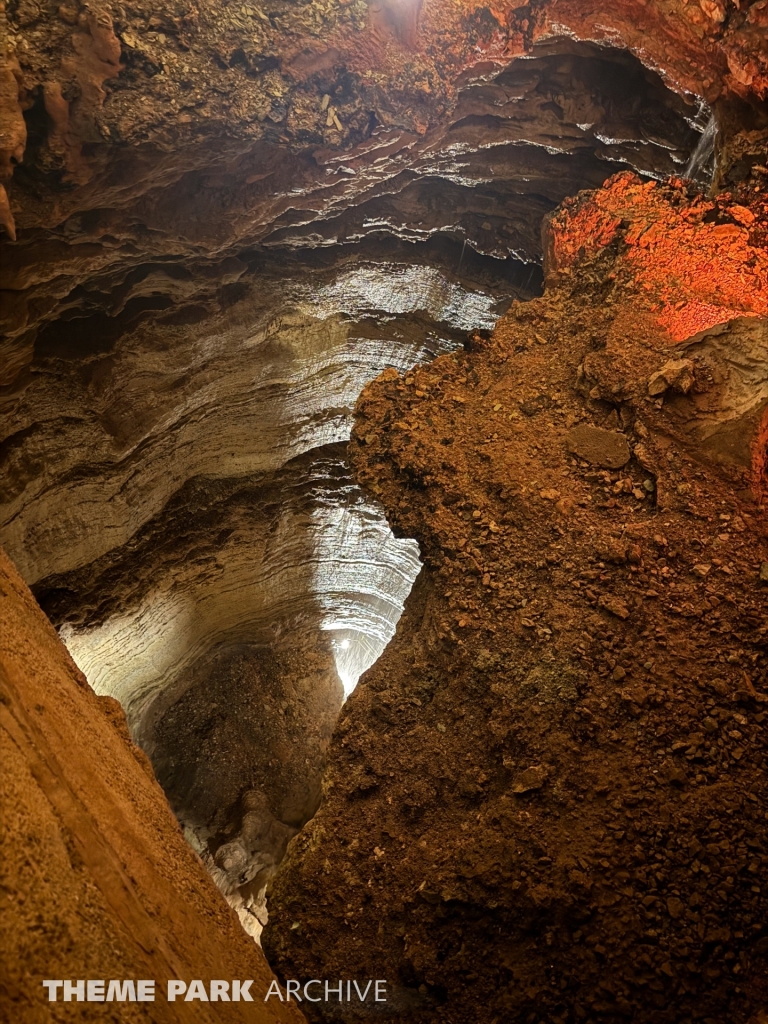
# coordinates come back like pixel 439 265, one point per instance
pixel 691 261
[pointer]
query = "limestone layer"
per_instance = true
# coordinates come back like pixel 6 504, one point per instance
pixel 222 223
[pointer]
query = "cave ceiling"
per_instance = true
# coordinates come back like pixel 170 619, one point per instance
pixel 223 221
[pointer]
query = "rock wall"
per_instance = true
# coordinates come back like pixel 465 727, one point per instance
pixel 222 222
pixel 546 800
pixel 97 879
pixel 190 314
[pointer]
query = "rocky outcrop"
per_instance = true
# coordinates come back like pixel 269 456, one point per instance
pixel 97 879
pixel 189 320
pixel 228 220
pixel 545 800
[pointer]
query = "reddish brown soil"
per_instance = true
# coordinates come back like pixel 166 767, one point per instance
pixel 96 879
pixel 547 800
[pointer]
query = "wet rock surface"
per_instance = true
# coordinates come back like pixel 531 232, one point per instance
pixel 190 313
pixel 546 800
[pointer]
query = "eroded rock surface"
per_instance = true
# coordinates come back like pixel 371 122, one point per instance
pixel 190 313
pixel 546 800
pixel 227 220
pixel 97 878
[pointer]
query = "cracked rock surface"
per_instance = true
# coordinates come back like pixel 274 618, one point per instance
pixel 197 294
pixel 96 875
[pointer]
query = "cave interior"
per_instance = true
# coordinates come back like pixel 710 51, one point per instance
pixel 237 241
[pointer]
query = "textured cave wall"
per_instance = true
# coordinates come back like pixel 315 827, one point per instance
pixel 97 878
pixel 227 221
pixel 546 800
pixel 189 322
pixel 101 78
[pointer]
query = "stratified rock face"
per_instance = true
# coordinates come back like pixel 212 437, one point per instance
pixel 227 221
pixel 546 799
pixel 189 321
pixel 98 881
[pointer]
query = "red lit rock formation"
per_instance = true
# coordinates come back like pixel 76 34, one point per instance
pixel 695 262
pixel 97 880
pixel 229 219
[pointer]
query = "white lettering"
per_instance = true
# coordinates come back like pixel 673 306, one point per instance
pixel 290 986
pixel 53 988
pixel 315 981
pixel 362 997
pixel 76 989
pixel 220 990
pixel 176 988
pixel 196 990
pixel 381 981
pixel 119 991
pixel 146 991
pixel 240 991
pixel 95 991
pixel 277 992
pixel 339 991
pixel 349 996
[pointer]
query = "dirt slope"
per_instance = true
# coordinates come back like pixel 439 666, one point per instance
pixel 546 801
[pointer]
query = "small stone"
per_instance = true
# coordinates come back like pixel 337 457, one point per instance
pixel 618 674
pixel 764 572
pixel 614 605
pixel 649 486
pixel 549 494
pixel 676 374
pixel 599 447
pixel 532 778
pixel 672 773
pixel 701 569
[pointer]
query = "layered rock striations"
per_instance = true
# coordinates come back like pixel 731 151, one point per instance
pixel 222 223
pixel 97 879
pixel 190 313
pixel 546 800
